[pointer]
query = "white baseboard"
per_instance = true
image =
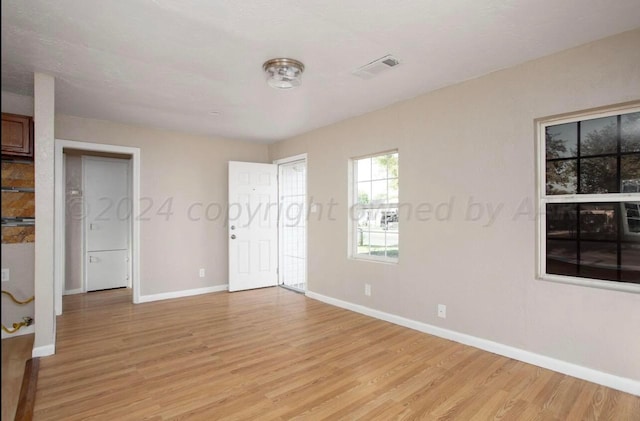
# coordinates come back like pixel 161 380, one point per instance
pixel 43 351
pixel 73 291
pixel 184 293
pixel 23 331
pixel 615 382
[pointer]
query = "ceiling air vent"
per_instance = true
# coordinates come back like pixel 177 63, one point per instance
pixel 376 66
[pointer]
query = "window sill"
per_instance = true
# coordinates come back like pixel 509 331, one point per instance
pixel 374 259
pixel 592 283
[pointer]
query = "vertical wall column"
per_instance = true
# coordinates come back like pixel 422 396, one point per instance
pixel 44 115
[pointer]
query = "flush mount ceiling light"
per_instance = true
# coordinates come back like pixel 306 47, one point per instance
pixel 283 73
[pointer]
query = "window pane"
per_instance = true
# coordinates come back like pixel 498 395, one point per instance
pixel 562 220
pixel 393 190
pixel 379 167
pixel 630 173
pixel 599 221
pixel 598 175
pixel 599 260
pixel 594 253
pixel 630 263
pixel 373 219
pixel 630 186
pixel 630 132
pixel 599 136
pixel 562 177
pixel 389 219
pixel 363 241
pixel 364 193
pixel 379 192
pixel 392 166
pixel 392 245
pixel 632 219
pixel 364 218
pixel 562 141
pixel 562 257
pixel 362 231
pixel 363 169
pixel 377 243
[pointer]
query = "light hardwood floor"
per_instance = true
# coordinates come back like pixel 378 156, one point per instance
pixel 15 352
pixel 272 354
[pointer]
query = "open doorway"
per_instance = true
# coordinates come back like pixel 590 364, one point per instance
pixel 97 221
pixel 292 223
pixel 70 270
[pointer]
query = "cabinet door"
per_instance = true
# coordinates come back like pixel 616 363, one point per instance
pixel 17 137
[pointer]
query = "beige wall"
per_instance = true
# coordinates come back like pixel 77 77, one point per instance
pixel 18 258
pixel 17 104
pixel 180 170
pixel 474 142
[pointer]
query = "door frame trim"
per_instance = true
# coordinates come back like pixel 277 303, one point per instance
pixel 300 157
pixel 59 212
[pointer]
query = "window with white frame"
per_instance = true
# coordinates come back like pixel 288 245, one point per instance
pixel 589 192
pixel 374 212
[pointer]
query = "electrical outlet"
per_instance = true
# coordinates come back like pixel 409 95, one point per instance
pixel 202 273
pixel 367 290
pixel 442 311
pixel 5 275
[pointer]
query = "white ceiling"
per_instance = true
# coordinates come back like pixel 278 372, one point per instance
pixel 196 65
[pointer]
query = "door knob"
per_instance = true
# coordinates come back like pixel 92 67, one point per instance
pixel 233 236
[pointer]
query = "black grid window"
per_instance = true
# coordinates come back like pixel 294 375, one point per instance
pixel 591 238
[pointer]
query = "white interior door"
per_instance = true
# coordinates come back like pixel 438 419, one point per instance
pixel 107 222
pixel 253 225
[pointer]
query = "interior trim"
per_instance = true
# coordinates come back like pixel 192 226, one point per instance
pixel 59 228
pixel 183 293
pixel 43 351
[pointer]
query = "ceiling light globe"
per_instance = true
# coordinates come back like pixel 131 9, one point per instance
pixel 283 73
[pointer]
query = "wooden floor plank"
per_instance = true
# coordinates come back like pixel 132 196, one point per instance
pixel 16 352
pixel 26 401
pixel 272 354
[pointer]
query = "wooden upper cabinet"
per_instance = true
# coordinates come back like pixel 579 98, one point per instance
pixel 17 135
